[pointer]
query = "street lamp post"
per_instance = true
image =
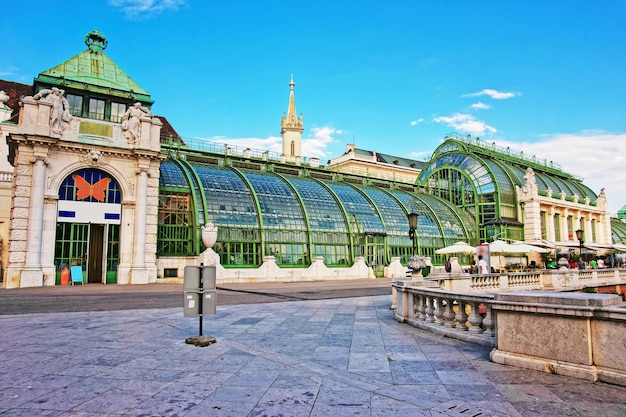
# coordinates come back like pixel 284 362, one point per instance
pixel 580 235
pixel 412 217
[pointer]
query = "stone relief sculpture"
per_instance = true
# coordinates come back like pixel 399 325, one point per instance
pixel 530 183
pixel 131 122
pixel 60 112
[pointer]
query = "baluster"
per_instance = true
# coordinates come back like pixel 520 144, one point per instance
pixel 410 307
pixel 439 312
pixel 429 310
pixel 449 314
pixel 421 308
pixel 489 322
pixel 461 316
pixel 416 306
pixel 475 319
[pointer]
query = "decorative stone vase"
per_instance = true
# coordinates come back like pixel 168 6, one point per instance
pixel 209 235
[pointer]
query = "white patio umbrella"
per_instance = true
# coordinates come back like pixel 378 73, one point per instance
pixel 500 246
pixel 523 247
pixel 457 248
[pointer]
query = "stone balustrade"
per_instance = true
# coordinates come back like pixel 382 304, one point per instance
pixel 528 318
pixel 549 280
pixel 461 316
pixel 6 177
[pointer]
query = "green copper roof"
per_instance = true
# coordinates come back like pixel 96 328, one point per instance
pixel 93 70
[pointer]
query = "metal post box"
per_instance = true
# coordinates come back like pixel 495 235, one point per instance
pixel 208 277
pixel 199 290
pixel 191 280
pixel 209 301
pixel 192 303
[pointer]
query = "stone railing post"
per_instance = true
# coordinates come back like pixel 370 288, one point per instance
pixel 430 318
pixel 475 319
pixel 439 311
pixel 461 316
pixel 449 313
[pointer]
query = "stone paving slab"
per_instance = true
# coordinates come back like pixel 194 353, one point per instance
pixel 338 357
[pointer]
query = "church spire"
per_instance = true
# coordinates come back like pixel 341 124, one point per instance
pixel 290 120
pixel 291 128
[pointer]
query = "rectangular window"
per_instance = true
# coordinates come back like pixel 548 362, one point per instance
pixel 570 227
pixel 543 225
pixel 76 105
pixel 594 230
pixel 117 111
pixel 96 109
pixel 557 227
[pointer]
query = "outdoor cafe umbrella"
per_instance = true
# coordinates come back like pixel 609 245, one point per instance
pixel 522 247
pixel 457 248
pixel 500 246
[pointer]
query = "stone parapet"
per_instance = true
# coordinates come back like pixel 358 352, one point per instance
pixel 581 335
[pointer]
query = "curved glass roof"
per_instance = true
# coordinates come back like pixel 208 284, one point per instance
pixel 287 208
pixel 359 208
pixel 322 209
pixel 618 230
pixel 279 206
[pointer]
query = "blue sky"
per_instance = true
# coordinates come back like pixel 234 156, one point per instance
pixel 544 77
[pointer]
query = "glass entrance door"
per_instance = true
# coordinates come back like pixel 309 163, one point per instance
pixel 88 246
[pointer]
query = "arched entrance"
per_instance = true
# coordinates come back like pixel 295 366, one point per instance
pixel 88 226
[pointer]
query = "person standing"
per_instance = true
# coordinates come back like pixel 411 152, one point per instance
pixel 483 268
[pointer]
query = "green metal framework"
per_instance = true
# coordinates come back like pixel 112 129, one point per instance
pixel 482 179
pixel 295 215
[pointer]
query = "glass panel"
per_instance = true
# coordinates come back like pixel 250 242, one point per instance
pixel 361 213
pixel 117 111
pixel 96 109
pixel 113 253
pixel 70 246
pixel 229 201
pixel 175 228
pixel 280 207
pixel 75 104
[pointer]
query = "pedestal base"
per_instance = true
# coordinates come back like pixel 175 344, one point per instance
pixel 201 341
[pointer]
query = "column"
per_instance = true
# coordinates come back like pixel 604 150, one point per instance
pixel 138 273
pixel 32 274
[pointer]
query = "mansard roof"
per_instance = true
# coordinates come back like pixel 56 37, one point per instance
pixel 93 70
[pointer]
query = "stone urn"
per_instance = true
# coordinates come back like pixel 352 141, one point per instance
pixel 209 235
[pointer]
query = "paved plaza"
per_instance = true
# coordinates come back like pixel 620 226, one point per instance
pixel 336 357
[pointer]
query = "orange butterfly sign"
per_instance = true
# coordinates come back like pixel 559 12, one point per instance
pixel 85 190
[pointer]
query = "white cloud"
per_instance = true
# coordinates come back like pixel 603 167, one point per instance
pixel 466 123
pixel 8 71
pixel 416 122
pixel 314 146
pixel 322 138
pixel 481 106
pixel 138 9
pixel 598 157
pixel 495 94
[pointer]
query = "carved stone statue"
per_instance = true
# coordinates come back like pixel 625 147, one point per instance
pixel 131 122
pixel 530 183
pixel 60 112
